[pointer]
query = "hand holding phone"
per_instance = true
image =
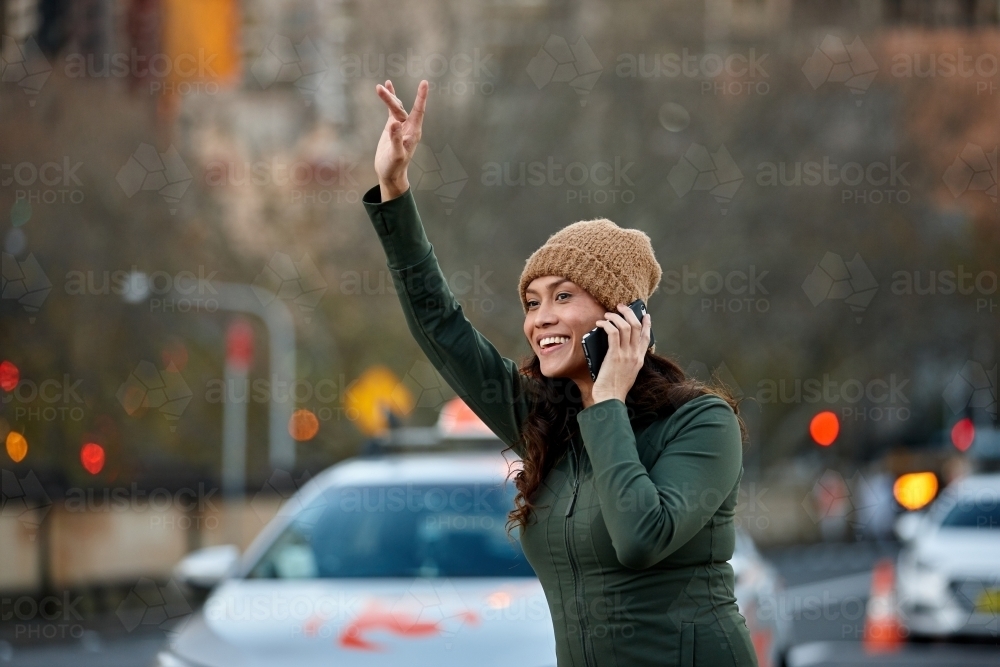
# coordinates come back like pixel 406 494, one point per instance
pixel 595 341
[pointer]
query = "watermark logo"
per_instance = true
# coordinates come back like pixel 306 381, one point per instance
pixel 872 183
pixel 23 499
pixel 974 170
pixel 193 73
pixel 733 292
pixel 25 282
pixel 835 62
pixel 280 485
pixel 284 62
pixel 558 62
pixel 49 400
pixel 981 599
pixel 701 170
pixel 299 282
pixel 439 171
pixel 835 503
pixel 731 74
pixel 983 68
pixel 833 278
pixel 150 604
pixel 877 399
pixel 457 74
pixel 425 385
pixel 45 183
pixel 701 371
pixel 24 65
pixel 148 169
pixel 598 182
pixel 147 387
pixel 306 181
pixel 973 386
pixel 946 282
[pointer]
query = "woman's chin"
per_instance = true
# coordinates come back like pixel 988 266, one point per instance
pixel 556 370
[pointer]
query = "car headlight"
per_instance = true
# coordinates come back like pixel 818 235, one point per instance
pixel 168 659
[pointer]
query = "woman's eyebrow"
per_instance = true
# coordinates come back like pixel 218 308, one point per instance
pixel 552 286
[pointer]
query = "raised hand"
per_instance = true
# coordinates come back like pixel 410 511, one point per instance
pixel 399 139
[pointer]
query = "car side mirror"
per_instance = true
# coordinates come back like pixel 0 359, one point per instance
pixel 909 525
pixel 204 568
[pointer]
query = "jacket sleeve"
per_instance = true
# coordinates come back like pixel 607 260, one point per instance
pixel 650 514
pixel 490 384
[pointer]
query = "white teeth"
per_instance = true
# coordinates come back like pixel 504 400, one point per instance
pixel 552 340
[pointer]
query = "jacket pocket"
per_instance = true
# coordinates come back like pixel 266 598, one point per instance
pixel 687 645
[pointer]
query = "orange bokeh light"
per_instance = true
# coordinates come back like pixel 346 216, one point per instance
pixel 303 425
pixel 824 428
pixel 17 446
pixel 92 457
pixel 914 490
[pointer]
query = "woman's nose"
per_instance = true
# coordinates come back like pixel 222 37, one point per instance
pixel 545 313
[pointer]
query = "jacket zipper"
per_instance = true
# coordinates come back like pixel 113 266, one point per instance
pixel 578 593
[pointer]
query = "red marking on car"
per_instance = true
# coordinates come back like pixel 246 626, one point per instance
pixel 397 623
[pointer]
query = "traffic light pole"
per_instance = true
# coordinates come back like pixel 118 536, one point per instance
pixel 277 318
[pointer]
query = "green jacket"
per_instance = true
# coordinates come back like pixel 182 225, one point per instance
pixel 632 546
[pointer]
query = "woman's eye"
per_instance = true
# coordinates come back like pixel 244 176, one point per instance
pixel 562 294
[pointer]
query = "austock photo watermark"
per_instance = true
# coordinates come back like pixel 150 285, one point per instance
pixel 44 617
pixel 50 400
pixel 734 291
pixel 327 397
pixel 876 182
pixel 321 181
pixel 50 182
pixel 980 69
pixel 457 74
pixel 161 73
pixel 184 291
pixel 730 74
pixel 835 279
pixel 590 182
pixel 875 399
pixel 470 288
pixel 186 508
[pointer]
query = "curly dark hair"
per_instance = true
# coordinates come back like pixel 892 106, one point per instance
pixel 660 388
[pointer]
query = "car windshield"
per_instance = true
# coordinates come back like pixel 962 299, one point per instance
pixel 981 510
pixel 399 531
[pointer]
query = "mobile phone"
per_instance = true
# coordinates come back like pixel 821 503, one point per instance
pixel 595 341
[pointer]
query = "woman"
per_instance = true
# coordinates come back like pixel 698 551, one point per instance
pixel 627 493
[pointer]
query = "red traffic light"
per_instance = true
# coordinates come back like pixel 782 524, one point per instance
pixel 9 375
pixel 962 434
pixel 824 428
pixel 92 457
pixel 239 344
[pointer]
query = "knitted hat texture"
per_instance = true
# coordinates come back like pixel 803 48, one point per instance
pixel 613 264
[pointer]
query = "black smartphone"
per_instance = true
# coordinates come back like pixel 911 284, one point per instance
pixel 595 342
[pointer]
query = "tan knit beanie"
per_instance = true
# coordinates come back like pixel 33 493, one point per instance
pixel 613 264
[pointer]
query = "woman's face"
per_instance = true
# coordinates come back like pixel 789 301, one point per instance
pixel 560 309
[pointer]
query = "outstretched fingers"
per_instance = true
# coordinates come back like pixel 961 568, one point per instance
pixel 417 112
pixel 392 102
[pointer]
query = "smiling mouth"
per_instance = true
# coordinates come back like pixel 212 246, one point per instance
pixel 547 346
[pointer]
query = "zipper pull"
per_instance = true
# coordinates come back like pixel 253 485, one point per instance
pixel 572 501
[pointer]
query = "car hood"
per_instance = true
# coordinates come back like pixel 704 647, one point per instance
pixel 961 552
pixel 441 622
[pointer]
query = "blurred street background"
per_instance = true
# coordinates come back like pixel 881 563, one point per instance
pixel 196 317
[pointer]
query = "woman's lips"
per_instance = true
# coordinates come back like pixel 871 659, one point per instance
pixel 552 348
